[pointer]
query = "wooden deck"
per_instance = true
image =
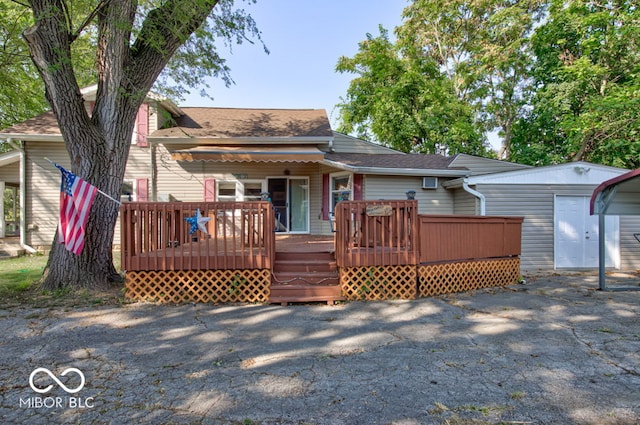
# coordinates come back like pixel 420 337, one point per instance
pixel 380 250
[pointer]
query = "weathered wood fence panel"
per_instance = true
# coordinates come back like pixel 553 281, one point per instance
pixel 156 236
pixel 458 237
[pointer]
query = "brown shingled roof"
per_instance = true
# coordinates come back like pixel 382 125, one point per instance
pixel 399 161
pixel 248 123
pixel 45 123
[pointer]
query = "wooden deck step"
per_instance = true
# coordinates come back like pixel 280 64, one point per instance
pixel 292 266
pixel 305 277
pixel 304 262
pixel 285 294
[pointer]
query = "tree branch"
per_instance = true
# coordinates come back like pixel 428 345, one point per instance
pixel 99 8
pixel 165 29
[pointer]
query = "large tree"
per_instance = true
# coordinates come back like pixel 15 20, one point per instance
pixel 468 63
pixel 134 41
pixel 399 97
pixel 588 79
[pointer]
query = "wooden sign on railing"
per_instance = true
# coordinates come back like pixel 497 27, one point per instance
pixel 379 210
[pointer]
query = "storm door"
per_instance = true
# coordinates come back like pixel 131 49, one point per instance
pixel 290 198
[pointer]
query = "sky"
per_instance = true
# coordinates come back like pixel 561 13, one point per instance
pixel 305 39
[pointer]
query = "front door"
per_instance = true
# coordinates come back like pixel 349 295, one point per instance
pixel 290 198
pixel 576 234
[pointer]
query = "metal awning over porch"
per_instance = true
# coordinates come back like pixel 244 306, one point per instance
pixel 617 196
pixel 250 154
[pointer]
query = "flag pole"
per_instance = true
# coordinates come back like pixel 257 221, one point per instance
pixel 99 191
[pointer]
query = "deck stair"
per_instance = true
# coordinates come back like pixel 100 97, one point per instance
pixel 305 277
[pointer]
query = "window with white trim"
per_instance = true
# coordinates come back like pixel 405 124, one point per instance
pixel 239 190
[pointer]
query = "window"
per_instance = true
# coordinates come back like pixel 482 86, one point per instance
pixel 226 191
pixel 243 190
pixel 339 184
pixel 127 194
pixel 251 190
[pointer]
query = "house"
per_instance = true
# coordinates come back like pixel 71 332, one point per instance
pixel 224 154
pixel 306 168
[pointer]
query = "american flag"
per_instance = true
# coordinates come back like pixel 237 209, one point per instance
pixel 76 198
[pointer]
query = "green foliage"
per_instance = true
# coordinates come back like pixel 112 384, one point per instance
pixel 124 47
pixel 588 78
pixel 403 101
pixel 21 91
pixel 558 80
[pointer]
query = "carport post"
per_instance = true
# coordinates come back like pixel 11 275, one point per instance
pixel 601 252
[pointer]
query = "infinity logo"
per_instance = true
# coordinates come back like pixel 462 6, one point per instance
pixel 60 384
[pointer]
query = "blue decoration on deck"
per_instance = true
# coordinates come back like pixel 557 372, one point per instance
pixel 198 222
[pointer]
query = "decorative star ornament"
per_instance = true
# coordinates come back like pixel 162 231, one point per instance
pixel 198 222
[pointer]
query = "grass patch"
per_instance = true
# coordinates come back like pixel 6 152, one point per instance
pixel 19 287
pixel 20 274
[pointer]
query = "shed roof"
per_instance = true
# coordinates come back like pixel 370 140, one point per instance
pixel 618 196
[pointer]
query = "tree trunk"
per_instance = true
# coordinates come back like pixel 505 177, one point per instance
pixel 98 145
pixel 104 169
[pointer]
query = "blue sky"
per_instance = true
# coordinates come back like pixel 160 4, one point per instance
pixel 305 39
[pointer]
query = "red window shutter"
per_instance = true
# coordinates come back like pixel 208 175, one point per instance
pixel 209 190
pixel 142 190
pixel 325 196
pixel 142 123
pixel 358 180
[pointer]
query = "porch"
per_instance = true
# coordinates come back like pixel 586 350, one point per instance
pixel 380 250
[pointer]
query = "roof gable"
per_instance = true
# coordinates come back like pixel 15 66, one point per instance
pixel 568 173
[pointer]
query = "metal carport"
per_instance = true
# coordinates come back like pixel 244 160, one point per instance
pixel 617 196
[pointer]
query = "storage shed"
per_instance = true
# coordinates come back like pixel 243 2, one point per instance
pixel 558 232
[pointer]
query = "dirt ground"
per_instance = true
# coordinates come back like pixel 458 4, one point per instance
pixel 552 351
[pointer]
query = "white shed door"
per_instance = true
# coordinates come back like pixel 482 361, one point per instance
pixel 576 235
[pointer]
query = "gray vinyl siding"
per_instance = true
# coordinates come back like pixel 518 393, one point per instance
pixel 465 203
pixel 479 165
pixel 432 201
pixel 629 245
pixel 347 144
pixel 42 202
pixel 536 204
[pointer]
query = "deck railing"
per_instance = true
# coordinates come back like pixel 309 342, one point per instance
pixel 240 235
pixel 157 236
pixel 464 237
pixel 376 233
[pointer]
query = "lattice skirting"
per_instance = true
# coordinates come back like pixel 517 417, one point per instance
pixel 378 283
pixel 217 286
pixel 445 278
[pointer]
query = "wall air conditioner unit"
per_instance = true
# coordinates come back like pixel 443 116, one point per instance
pixel 429 182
